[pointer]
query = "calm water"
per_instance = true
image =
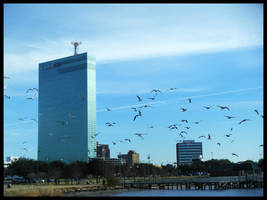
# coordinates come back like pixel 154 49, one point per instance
pixel 176 193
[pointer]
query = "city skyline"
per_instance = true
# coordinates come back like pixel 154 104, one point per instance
pixel 211 53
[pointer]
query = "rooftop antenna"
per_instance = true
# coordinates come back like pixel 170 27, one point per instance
pixel 75 44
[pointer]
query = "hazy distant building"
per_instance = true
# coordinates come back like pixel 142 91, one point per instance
pixel 130 159
pixel 187 151
pixel 67 109
pixel 102 151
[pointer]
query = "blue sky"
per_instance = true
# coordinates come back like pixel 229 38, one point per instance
pixel 212 53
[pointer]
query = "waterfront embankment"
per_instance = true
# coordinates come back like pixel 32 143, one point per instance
pixel 55 190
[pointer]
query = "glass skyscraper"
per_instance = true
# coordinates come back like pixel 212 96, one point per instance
pixel 187 151
pixel 67 109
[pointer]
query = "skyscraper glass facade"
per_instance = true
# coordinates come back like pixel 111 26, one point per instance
pixel 187 151
pixel 67 109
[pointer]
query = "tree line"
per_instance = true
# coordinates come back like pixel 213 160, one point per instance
pixel 96 168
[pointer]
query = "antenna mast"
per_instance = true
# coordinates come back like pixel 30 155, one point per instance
pixel 75 44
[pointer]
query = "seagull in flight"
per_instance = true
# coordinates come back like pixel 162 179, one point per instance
pixel 256 111
pixel 202 136
pixel 31 89
pixel 140 135
pixel 7 96
pixel 22 119
pixel 31 97
pixel 139 98
pixel 207 107
pixel 228 135
pixel 243 121
pixel 196 122
pixel 223 107
pixel 114 143
pixel 187 127
pixel 127 140
pixel 171 89
pixel 184 120
pixel 231 129
pixel 229 117
pixel 209 137
pixel 151 127
pixel 183 132
pixel 135 110
pixel 110 124
pixel 152 98
pixel 138 115
pixel 108 109
pixel 183 109
pixel 156 90
pixel 219 143
pixel 35 120
pixel 234 154
pixel 189 100
pixel 145 106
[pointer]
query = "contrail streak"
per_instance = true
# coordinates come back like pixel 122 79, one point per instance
pixel 183 98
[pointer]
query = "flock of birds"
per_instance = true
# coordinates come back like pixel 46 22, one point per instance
pixel 138 113
pixel 184 122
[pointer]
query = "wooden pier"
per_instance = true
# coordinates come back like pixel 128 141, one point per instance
pixel 209 183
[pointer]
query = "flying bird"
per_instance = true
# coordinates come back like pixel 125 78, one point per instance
pixel 183 132
pixel 183 109
pixel 156 90
pixel 145 106
pixel 231 129
pixel 34 120
pixel 207 107
pixel 7 96
pixel 171 89
pixel 108 109
pixel 110 124
pixel 189 100
pixel 152 98
pixel 219 143
pixel 202 136
pixel 234 154
pixel 184 120
pixel 196 122
pixel 127 140
pixel 114 143
pixel 31 97
pixel 223 107
pixel 228 135
pixel 243 121
pixel 22 119
pixel 229 117
pixel 256 111
pixel 135 110
pixel 31 89
pixel 151 127
pixel 187 127
pixel 140 135
pixel 209 137
pixel 139 98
